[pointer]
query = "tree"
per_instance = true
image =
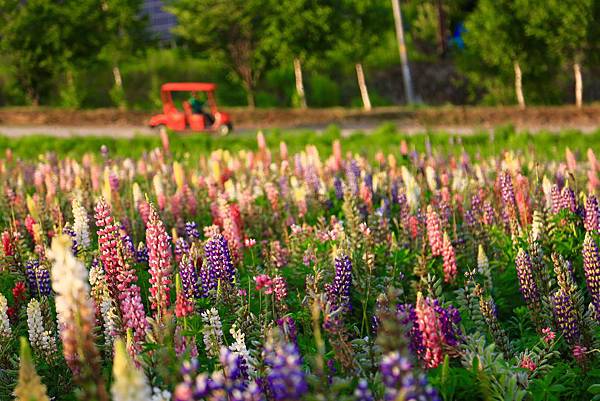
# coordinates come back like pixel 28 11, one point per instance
pixel 31 44
pixel 299 30
pixel 233 31
pixel 563 25
pixel 126 37
pixel 499 46
pixel 44 38
pixel 359 29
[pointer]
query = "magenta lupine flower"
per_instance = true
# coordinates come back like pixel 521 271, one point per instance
pixel 591 268
pixel 159 260
pixel 527 283
pixel 592 214
pixel 108 242
pixel 449 257
pixel 565 316
pixel 434 231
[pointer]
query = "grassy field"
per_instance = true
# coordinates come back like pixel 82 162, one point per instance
pixel 386 138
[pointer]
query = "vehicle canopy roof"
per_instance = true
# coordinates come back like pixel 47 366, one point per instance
pixel 188 87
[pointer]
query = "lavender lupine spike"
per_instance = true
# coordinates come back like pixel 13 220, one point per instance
pixel 565 316
pixel 592 214
pixel 527 283
pixel 191 230
pixel 362 392
pixel 38 278
pixel 567 200
pixel 189 277
pixel 508 191
pixel 285 378
pixel 219 266
pixel 338 292
pixel 591 268
pixel 401 382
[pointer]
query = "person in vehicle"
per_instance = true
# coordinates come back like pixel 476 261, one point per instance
pixel 198 108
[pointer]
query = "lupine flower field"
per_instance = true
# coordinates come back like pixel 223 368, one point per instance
pixel 323 274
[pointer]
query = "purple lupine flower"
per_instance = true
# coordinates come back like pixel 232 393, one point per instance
pixel 476 204
pixel 408 316
pixel 38 278
pixel 338 188
pixel 394 191
pixel 592 214
pixel 218 266
pixel 362 392
pixel 400 380
pixel 128 247
pixel 449 319
pixel 555 199
pixel 287 326
pixel 191 231
pixel 368 180
pixel 338 292
pixel 591 268
pixel 565 316
pixel 507 190
pixel 527 282
pixel 73 236
pixel 567 200
pixel 488 214
pixel 181 248
pixel 189 277
pixel 141 253
pixel 352 176
pixel 286 380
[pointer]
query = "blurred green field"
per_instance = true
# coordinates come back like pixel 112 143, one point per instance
pixel 546 145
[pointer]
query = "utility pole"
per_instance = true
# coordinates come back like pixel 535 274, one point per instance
pixel 408 88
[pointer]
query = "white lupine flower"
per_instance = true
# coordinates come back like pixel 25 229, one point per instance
pixel 547 188
pixel 431 181
pixel 413 191
pixel 158 185
pixel 537 226
pixel 213 332
pixel 239 347
pixel 160 395
pixel 130 383
pixel 42 340
pixel 5 330
pixel 109 317
pixel 81 224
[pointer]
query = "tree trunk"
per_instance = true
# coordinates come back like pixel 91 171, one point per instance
pixel 250 98
pixel 442 45
pixel 578 85
pixel 408 88
pixel 117 75
pixel 362 85
pixel 299 83
pixel 519 85
pixel 120 91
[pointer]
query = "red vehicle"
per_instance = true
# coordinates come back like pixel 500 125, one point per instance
pixel 208 120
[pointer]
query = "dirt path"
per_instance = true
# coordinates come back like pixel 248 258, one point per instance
pixel 126 131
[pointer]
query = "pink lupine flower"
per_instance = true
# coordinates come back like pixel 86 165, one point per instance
pixel 7 244
pixel 579 352
pixel 263 281
pixel 549 335
pixel 29 222
pixel 450 269
pixel 279 288
pixel 428 323
pixel 159 260
pixel 434 231
pixel 527 363
pixel 183 306
pixel 249 242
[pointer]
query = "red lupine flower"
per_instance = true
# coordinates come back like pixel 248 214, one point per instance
pixel 19 292
pixel 527 363
pixel 7 244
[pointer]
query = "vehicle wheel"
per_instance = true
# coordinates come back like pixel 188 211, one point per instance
pixel 157 128
pixel 224 129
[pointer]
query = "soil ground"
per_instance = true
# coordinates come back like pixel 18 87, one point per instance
pixel 61 122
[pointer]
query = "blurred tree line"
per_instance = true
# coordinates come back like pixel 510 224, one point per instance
pixel 318 53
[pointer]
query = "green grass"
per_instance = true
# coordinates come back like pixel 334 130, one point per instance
pixel 386 138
